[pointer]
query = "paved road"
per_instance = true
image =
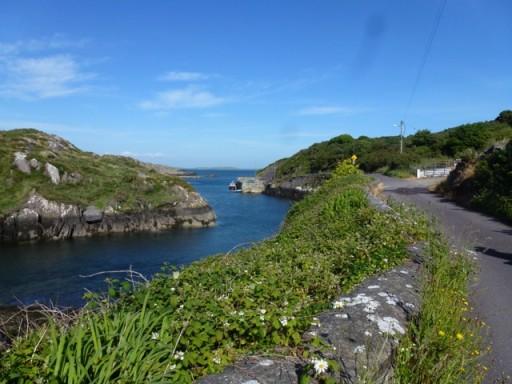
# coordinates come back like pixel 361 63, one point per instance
pixel 491 242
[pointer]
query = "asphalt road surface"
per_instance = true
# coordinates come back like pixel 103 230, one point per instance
pixel 490 243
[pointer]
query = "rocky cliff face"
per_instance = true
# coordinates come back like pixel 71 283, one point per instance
pixel 41 219
pixel 52 190
pixel 294 188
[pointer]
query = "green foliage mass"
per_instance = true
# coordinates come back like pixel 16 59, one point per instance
pixel 491 184
pixel 185 324
pixel 121 182
pixel 442 345
pixel 382 154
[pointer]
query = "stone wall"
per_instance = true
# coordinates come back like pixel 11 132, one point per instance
pixel 361 333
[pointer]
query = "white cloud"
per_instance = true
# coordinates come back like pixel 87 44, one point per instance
pixel 151 155
pixel 43 77
pixel 325 110
pixel 183 76
pixel 189 97
pixel 55 42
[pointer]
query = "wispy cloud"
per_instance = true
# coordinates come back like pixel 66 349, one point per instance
pixel 189 97
pixel 149 155
pixel 184 76
pixel 54 42
pixel 43 77
pixel 41 68
pixel 325 110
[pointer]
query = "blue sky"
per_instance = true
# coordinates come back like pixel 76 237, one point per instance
pixel 243 83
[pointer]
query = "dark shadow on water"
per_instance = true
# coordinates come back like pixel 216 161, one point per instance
pixel 494 253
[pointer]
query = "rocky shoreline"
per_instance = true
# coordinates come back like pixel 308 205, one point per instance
pixel 42 219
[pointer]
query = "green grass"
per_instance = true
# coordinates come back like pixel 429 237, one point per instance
pixel 442 345
pixel 120 182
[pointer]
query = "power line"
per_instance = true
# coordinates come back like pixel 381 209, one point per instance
pixel 426 54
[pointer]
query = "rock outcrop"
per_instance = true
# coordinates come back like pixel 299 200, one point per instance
pixel 20 161
pixel 51 189
pixel 252 184
pixel 52 172
pixel 41 219
pixel 295 188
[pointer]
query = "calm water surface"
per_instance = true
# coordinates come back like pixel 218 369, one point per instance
pixel 50 271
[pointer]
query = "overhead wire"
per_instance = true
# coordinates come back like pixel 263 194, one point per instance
pixel 426 53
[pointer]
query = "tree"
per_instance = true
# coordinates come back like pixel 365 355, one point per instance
pixel 505 117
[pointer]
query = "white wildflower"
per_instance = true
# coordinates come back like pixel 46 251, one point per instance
pixel 320 365
pixel 283 321
pixel 338 304
pixel 155 336
pixel 216 360
pixel 359 349
pixel 263 311
pixel 175 275
pixel 179 355
pixel 172 367
pixel 262 318
pixel 173 289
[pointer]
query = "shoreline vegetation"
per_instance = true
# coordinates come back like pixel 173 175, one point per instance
pixel 186 323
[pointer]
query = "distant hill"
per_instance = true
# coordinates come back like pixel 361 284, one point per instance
pixel 45 177
pixel 382 154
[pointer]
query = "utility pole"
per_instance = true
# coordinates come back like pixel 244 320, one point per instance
pixel 402 132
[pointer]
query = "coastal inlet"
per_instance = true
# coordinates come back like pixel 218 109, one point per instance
pixel 44 271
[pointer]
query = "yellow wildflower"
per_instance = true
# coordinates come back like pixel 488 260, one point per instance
pixel 459 336
pixel 441 333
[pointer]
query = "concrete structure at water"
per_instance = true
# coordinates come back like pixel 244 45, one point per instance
pixel 251 184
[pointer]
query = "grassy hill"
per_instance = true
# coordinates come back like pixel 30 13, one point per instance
pixel 382 154
pixel 85 178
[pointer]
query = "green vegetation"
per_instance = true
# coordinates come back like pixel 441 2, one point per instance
pixel 120 182
pixel 382 154
pixel 484 183
pixel 442 345
pixel 187 323
pixel 493 183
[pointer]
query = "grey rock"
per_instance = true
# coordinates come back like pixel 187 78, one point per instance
pixel 52 172
pixel 20 161
pixel 71 178
pixel 252 184
pixel 42 219
pixel 57 144
pixel 92 215
pixel 294 188
pixel 34 163
pixel 361 333
pixel 257 370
